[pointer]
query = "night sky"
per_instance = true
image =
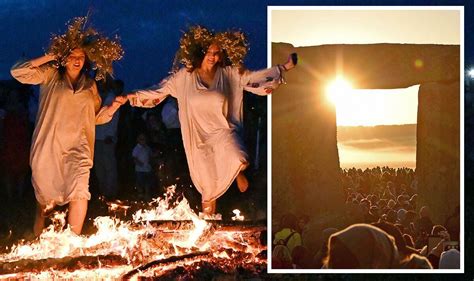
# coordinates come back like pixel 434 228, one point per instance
pixel 150 30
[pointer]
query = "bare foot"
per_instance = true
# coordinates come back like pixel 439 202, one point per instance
pixel 38 226
pixel 242 182
pixel 209 208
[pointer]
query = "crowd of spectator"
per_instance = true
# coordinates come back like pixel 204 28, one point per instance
pixel 382 227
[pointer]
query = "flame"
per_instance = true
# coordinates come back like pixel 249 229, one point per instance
pixel 237 216
pixel 117 206
pixel 137 241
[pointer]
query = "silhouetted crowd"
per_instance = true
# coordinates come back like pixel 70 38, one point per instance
pixel 382 228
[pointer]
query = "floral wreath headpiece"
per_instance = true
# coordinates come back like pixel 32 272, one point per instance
pixel 100 50
pixel 195 42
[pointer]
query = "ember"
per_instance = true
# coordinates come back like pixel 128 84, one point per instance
pixel 166 241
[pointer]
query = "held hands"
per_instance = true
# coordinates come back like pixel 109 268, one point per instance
pixel 142 102
pixel 120 100
pixel 113 107
pixel 129 97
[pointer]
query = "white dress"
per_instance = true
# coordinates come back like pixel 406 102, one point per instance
pixel 211 118
pixel 62 148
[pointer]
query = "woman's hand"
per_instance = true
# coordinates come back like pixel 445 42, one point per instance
pixel 42 60
pixel 291 62
pixel 120 100
pixel 129 96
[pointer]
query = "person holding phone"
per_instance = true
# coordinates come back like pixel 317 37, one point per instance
pixel 439 240
pixel 209 89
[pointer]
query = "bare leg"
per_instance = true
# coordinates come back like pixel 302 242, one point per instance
pixel 39 220
pixel 209 208
pixel 77 214
pixel 242 182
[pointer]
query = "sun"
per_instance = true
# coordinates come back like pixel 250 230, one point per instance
pixel 371 107
pixel 338 89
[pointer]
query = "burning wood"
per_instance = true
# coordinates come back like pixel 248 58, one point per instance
pixel 141 269
pixel 220 225
pixel 64 264
pixel 166 239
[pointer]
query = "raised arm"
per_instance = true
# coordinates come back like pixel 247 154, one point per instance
pixel 152 96
pixel 33 71
pixel 263 82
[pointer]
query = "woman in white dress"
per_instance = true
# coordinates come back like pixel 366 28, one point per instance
pixel 61 154
pixel 209 90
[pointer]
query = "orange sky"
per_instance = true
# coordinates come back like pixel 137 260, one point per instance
pixel 357 107
pixel 392 25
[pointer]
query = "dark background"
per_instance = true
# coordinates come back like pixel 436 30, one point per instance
pixel 150 30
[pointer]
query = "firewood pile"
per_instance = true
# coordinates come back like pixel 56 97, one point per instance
pixel 221 249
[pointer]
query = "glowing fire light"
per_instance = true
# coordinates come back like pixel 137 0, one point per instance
pixel 237 216
pixel 138 242
pixel 117 205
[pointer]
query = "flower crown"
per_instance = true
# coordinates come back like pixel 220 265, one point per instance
pixel 100 50
pixel 195 42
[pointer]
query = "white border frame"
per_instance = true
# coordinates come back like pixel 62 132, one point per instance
pixel 269 134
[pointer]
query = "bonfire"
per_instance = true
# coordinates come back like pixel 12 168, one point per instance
pixel 168 240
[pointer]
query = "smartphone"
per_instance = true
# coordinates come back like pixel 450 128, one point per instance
pixel 448 245
pixel 294 58
pixel 433 241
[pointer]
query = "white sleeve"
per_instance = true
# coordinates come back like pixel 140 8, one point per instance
pixel 261 82
pixel 154 95
pixel 26 73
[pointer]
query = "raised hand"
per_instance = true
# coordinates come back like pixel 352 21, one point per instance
pixel 292 61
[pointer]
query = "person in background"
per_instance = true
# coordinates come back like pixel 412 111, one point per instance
pixel 143 171
pixel 105 163
pixel 288 235
pixel 14 149
pixel 175 159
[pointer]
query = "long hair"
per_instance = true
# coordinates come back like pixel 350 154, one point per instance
pixel 195 42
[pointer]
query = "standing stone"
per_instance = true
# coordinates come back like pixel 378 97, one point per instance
pixel 437 153
pixel 305 161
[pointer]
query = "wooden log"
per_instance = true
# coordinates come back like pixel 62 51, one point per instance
pixel 139 269
pixel 165 233
pixel 66 263
pixel 186 224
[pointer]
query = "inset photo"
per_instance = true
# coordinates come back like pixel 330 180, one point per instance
pixel 366 169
